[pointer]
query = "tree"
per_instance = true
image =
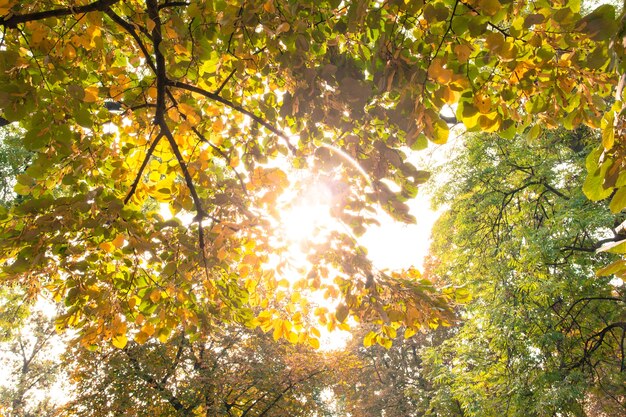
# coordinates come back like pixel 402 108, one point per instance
pixel 209 96
pixel 391 382
pixel 543 335
pixel 29 356
pixel 233 372
pixel 13 161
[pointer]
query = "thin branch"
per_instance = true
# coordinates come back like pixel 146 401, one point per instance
pixel 133 187
pixel 128 27
pixel 161 76
pixel 153 383
pixel 221 87
pixel 173 4
pixel 569 310
pixel 219 99
pixel 13 20
pixel 222 154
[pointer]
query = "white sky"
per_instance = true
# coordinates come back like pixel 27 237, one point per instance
pixel 394 245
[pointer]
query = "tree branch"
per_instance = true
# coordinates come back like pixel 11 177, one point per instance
pixel 221 87
pixel 569 310
pixel 133 187
pixel 152 382
pixel 173 4
pixel 132 32
pixel 161 75
pixel 13 20
pixel 219 99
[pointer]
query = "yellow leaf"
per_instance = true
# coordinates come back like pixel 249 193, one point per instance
pixel 118 242
pixel 483 103
pixel 180 49
pixel 618 202
pixel 292 337
pixel 116 90
pixel 244 270
pixel 438 73
pixel 141 338
pixel 268 6
pixel 463 53
pixel 120 341
pixel 164 334
pixel 91 94
pixel 369 339
pixel 386 343
pixel 490 7
pixel 218 126
pixel 409 332
pixel 155 296
pixel 278 329
pixel 148 329
pixel 314 343
pixel 107 247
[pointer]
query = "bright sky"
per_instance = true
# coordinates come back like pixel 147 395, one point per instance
pixel 391 246
pixel 394 245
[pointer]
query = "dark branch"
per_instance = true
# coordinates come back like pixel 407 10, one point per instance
pixel 221 87
pixel 165 130
pixel 595 341
pixel 451 120
pixel 161 75
pixel 219 99
pixel 153 383
pixel 587 299
pixel 173 4
pixel 14 20
pixel 132 32
pixel 133 187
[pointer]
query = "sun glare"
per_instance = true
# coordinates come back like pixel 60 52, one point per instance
pixel 306 215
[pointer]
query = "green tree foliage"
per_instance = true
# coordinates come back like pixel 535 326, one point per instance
pixel 211 101
pixel 392 382
pixel 207 107
pixel 543 334
pixel 235 372
pixel 202 105
pixel 13 161
pixel 29 358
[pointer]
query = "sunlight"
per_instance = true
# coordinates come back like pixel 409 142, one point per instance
pixel 307 216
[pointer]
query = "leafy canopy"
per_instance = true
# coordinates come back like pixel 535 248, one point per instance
pixel 207 106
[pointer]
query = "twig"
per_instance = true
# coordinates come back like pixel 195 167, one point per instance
pixel 133 187
pixel 219 99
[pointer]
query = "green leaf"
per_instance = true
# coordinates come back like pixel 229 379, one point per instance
pixel 608 130
pixel 614 268
pixel 618 202
pixel 593 185
pixel 441 132
pixel 600 24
